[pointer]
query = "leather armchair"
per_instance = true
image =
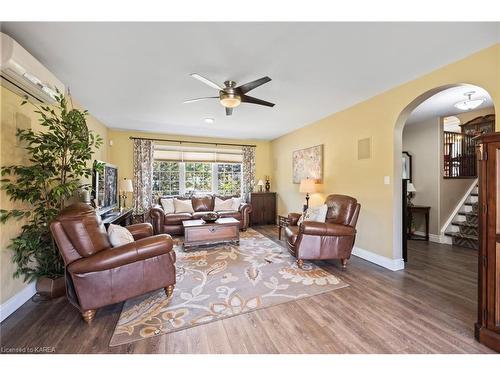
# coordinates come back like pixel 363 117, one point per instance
pixel 333 239
pixel 98 274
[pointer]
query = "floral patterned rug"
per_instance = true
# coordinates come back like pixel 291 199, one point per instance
pixel 220 281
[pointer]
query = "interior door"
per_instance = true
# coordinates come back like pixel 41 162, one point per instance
pixel 493 247
pixel 404 235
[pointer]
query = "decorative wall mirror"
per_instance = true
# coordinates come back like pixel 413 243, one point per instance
pixel 407 172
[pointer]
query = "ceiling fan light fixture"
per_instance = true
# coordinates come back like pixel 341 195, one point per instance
pixel 469 103
pixel 230 100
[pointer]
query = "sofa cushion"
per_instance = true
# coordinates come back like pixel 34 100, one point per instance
pixel 236 204
pixel 167 205
pixel 177 218
pixel 223 205
pixel 199 215
pixel 183 205
pixel 230 213
pixel 205 203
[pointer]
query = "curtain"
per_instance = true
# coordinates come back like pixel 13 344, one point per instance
pixel 143 175
pixel 248 171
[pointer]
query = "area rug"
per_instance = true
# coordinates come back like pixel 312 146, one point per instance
pixel 217 282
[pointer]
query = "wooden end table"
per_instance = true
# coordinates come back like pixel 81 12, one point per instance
pixel 282 223
pixel 198 232
pixel 425 210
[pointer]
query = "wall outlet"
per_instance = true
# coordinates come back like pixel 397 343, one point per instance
pixel 387 180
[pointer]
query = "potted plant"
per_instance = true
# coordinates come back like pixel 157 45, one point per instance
pixel 58 158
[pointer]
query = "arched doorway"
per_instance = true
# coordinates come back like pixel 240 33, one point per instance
pixel 398 236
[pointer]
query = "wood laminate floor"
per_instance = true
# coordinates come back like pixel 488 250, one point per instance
pixel 430 307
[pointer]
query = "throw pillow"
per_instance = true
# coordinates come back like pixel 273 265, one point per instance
pixel 168 205
pixel 183 205
pixel 223 205
pixel 314 214
pixel 301 219
pixel 236 204
pixel 119 235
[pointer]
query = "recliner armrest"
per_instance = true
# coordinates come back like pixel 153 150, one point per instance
pixel 315 228
pixel 141 230
pixel 293 218
pixel 118 256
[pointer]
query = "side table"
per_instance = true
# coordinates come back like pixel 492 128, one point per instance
pixel 282 223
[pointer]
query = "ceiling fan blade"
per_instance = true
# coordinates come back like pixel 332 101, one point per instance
pixel 251 85
pixel 229 111
pixel 206 81
pixel 198 99
pixel 251 99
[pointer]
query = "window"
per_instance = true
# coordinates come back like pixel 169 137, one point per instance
pixel 198 177
pixel 229 179
pixel 166 178
pixel 185 178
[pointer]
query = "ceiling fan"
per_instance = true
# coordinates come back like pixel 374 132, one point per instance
pixel 231 96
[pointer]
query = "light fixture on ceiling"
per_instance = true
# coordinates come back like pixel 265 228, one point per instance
pixel 469 103
pixel 209 120
pixel 229 98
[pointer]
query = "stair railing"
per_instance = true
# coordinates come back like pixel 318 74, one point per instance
pixel 459 156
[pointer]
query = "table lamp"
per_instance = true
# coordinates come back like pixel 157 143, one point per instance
pixel 410 190
pixel 125 187
pixel 260 184
pixel 307 186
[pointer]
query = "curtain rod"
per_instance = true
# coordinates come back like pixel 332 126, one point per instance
pixel 194 142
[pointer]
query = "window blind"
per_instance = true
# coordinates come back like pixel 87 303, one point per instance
pixel 198 154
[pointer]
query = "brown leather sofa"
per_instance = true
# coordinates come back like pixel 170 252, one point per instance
pixel 172 223
pixel 98 274
pixel 333 239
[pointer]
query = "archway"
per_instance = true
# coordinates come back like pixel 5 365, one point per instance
pixel 397 166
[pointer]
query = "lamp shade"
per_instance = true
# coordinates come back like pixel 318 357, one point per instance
pixel 260 183
pixel 410 188
pixel 126 186
pixel 307 186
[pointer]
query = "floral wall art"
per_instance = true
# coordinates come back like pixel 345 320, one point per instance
pixel 308 163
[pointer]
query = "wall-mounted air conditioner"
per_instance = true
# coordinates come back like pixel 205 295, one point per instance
pixel 24 74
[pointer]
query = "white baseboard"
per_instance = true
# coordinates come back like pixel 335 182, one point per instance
pixel 16 301
pixel 436 238
pixel 391 264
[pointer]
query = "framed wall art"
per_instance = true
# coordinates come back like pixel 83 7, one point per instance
pixel 308 163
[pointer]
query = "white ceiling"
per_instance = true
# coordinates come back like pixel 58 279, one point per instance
pixel 136 75
pixel 442 103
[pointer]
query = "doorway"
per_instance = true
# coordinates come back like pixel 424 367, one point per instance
pixel 435 162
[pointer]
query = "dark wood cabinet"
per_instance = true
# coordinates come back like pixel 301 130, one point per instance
pixel 263 208
pixel 487 329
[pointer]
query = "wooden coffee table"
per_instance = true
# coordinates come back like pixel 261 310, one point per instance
pixel 197 232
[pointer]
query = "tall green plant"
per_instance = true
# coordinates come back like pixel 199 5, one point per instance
pixel 58 161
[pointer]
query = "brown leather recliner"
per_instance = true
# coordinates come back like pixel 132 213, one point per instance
pixel 98 274
pixel 333 239
pixel 172 223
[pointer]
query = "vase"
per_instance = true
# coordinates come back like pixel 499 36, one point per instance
pixel 51 288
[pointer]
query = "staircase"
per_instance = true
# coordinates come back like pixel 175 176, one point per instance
pixel 464 229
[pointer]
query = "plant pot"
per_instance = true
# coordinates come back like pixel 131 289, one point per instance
pixel 51 288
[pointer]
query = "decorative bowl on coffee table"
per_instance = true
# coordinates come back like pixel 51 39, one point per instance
pixel 210 218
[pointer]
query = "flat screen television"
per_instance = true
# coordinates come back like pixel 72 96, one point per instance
pixel 105 187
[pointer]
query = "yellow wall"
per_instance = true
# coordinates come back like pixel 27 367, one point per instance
pixel 120 153
pixel 12 116
pixel 380 118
